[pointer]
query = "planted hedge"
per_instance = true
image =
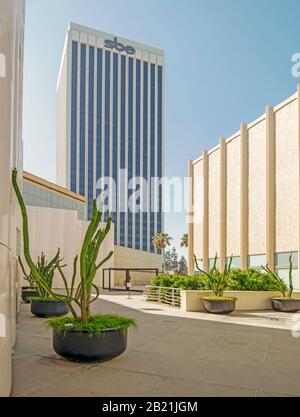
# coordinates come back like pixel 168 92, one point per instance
pixel 180 281
pixel 251 280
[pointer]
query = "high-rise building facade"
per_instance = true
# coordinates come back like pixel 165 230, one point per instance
pixel 110 125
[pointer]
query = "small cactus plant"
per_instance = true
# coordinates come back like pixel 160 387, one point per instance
pixel 218 281
pixel 27 276
pixel 46 269
pixel 279 283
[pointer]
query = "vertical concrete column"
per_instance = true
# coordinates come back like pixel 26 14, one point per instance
pixel 298 95
pixel 205 229
pixel 270 215
pixel 223 204
pixel 244 196
pixel 191 250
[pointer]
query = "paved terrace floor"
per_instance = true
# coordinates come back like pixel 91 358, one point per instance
pixel 182 355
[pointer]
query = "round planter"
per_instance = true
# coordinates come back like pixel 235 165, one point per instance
pixel 45 308
pixel 286 305
pixel 216 306
pixel 27 293
pixel 85 347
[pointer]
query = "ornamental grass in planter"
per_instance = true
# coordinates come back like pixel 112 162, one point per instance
pixel 218 282
pixel 285 303
pixel 82 337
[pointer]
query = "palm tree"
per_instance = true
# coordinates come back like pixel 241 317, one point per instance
pixel 160 241
pixel 185 241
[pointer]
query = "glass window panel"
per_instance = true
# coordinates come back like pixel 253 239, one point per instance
pixel 236 261
pixel 91 131
pixel 211 263
pixel 282 259
pixel 256 261
pixel 284 273
pixel 82 119
pixel 99 111
pixel 74 115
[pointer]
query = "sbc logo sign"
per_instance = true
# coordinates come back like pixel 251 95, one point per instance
pixel 2 66
pixel 118 46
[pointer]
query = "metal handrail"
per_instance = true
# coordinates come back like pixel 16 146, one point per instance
pixel 163 295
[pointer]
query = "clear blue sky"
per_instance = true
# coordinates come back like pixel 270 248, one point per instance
pixel 226 60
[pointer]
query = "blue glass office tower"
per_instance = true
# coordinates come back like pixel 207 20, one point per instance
pixel 110 120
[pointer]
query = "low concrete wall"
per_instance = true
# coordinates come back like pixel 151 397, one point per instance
pixel 246 300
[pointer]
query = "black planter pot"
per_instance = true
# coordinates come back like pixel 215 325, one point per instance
pixel 45 308
pixel 216 306
pixel 27 292
pixel 286 305
pixel 84 347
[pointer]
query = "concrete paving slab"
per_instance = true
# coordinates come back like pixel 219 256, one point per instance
pixel 167 356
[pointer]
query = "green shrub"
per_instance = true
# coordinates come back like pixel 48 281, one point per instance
pixel 180 281
pixel 191 282
pixel 251 280
pixel 164 281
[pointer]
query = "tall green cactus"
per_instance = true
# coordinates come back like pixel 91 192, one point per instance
pixel 80 297
pixel 88 260
pixel 36 275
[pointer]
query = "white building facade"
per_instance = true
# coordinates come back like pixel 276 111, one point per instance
pixel 110 102
pixel 11 78
pixel 245 194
